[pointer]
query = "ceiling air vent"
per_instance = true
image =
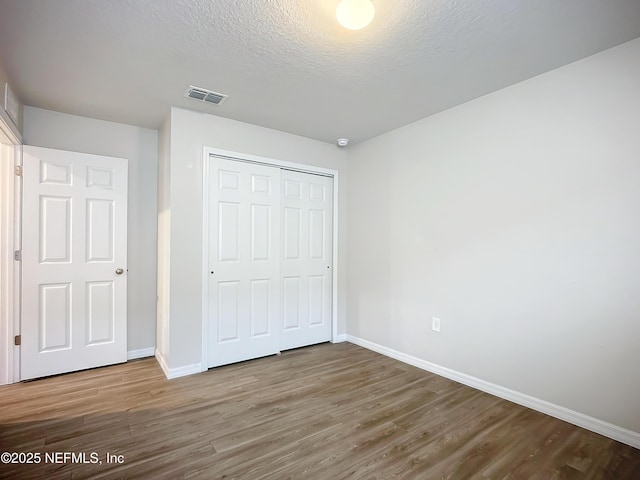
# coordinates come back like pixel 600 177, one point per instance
pixel 205 95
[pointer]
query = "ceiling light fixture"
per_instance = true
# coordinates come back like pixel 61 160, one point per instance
pixel 355 14
pixel 343 142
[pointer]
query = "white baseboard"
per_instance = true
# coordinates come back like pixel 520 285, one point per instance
pixel 615 432
pixel 162 363
pixel 179 371
pixel 340 338
pixel 141 353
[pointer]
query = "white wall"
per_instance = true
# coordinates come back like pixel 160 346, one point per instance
pixel 190 132
pixel 49 129
pixel 515 219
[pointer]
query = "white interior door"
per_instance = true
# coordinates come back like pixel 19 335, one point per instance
pixel 244 237
pixel 306 288
pixel 74 253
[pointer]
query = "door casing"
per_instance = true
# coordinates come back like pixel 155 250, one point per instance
pixel 10 271
pixel 209 155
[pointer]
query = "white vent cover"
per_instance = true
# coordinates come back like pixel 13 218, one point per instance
pixel 205 95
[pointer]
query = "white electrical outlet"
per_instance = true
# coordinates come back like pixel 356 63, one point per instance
pixel 435 324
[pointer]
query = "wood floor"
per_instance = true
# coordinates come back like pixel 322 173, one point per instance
pixel 324 412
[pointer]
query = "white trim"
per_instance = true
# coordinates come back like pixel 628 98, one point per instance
pixel 17 271
pixel 7 265
pixel 335 297
pixel 204 359
pixel 207 152
pixel 11 104
pixel 10 204
pixel 141 353
pixel 11 127
pixel 7 127
pixel 162 363
pixel 300 167
pixel 171 373
pixel 610 430
pixel 340 338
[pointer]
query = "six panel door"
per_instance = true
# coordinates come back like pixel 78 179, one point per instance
pixel 307 232
pixel 74 253
pixel 243 261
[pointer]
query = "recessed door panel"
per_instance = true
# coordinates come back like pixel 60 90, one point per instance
pixel 55 229
pixel 292 189
pixel 317 291
pixel 261 184
pixel 100 312
pixel 228 311
pixel 100 178
pixel 228 233
pixel 54 317
pixel 317 192
pixel 228 180
pixel 260 232
pixel 100 230
pixel 55 174
pixel 291 302
pixel 317 234
pixel 260 312
pixel 291 233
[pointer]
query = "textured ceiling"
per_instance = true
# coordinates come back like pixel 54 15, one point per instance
pixel 287 64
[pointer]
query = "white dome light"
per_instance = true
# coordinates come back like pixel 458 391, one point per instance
pixel 355 14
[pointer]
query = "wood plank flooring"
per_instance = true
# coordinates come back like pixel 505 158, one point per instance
pixel 323 412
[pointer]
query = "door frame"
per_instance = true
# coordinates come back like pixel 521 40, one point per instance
pixel 209 152
pixel 10 271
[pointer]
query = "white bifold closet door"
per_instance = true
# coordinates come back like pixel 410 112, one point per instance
pixel 270 254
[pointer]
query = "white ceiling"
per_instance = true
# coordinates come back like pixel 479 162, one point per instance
pixel 287 64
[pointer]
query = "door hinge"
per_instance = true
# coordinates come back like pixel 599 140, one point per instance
pixel 17 256
pixel 17 340
pixel 18 170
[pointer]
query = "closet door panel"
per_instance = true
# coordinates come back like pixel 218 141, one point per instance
pixel 244 264
pixel 307 230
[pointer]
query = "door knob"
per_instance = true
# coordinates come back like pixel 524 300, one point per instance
pixel 119 271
